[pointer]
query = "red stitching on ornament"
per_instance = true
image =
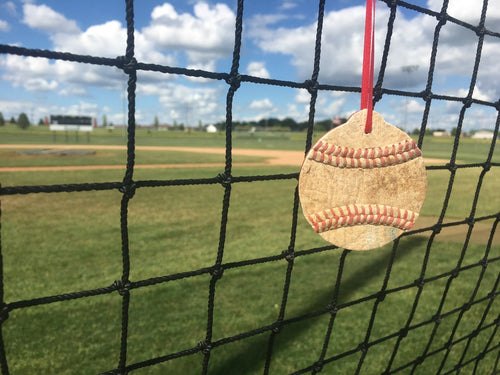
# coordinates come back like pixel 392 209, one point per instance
pixel 365 157
pixel 357 214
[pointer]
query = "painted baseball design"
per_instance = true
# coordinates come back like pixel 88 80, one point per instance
pixel 360 191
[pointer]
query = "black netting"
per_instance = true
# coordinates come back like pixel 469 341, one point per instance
pixel 450 344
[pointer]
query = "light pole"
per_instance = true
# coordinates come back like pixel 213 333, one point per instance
pixel 407 69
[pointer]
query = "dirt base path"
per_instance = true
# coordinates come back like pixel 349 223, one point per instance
pixel 480 233
pixel 274 157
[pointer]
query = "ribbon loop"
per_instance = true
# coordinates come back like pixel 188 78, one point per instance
pixel 368 64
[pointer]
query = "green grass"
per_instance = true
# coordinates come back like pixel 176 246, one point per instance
pixel 19 158
pixel 469 150
pixel 47 251
pixel 263 140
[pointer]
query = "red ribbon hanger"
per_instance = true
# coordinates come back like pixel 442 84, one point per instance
pixel 368 65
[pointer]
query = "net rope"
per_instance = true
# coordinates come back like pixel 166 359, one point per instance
pixel 128 186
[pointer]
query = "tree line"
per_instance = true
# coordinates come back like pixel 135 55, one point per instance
pixel 22 120
pixel 276 124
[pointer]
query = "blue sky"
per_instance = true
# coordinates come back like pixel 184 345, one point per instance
pixel 278 42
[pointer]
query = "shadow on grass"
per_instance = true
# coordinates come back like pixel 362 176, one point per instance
pixel 250 358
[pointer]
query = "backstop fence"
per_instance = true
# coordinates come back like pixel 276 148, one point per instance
pixel 462 338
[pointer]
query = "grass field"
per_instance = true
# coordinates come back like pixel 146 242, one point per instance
pixel 67 242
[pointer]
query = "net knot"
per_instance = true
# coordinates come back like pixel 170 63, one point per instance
pixel 486 166
pixel 311 86
pixel 318 366
pixel 449 345
pixel 436 228
pixel 128 189
pixel 391 3
pixel 127 64
pixel 403 332
pixel 442 18
pixel 483 262
pixel 217 272
pixel 419 282
pixel 452 167
pixel 122 287
pixel 380 296
pixel 454 273
pixel 470 221
pixel 288 254
pixel 234 80
pixel 363 347
pixel 437 318
pixel 377 92
pixel 480 31
pixel 205 346
pixel 224 179
pixel 427 95
pixel 332 308
pixel 467 101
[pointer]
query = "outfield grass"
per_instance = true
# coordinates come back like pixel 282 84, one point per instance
pixel 176 229
pixel 28 157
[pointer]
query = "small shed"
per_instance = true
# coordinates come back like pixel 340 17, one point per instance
pixel 211 128
pixel 483 134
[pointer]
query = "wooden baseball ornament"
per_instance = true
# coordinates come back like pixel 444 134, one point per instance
pixel 362 190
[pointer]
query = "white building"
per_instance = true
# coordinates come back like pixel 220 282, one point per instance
pixel 483 134
pixel 211 128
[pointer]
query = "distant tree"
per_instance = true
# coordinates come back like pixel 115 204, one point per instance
pixel 22 121
pixel 289 123
pixel 104 120
pixel 156 123
pixel 454 131
pixel 41 122
pixel 2 121
pixel 415 131
pixel 12 120
pixel 323 125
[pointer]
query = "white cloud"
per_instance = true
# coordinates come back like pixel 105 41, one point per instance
pixel 46 19
pixel 257 69
pixel 10 7
pixel 477 94
pixel 4 26
pixel 40 84
pixel 411 44
pixel 414 106
pixel 185 104
pixel 468 11
pixel 107 39
pixel 288 5
pixel 205 36
pixel 303 97
pixel 38 74
pixel 263 104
